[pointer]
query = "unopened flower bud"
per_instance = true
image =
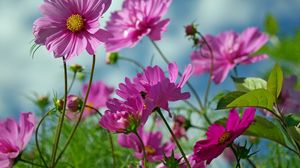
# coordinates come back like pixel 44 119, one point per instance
pixel 112 58
pixel 74 103
pixel 59 104
pixel 190 30
pixel 171 161
pixel 80 76
pixel 76 68
pixel 42 101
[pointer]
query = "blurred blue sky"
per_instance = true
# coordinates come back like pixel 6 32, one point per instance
pixel 20 75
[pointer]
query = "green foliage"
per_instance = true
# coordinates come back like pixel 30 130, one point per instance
pixel 249 83
pixel 228 98
pixel 262 128
pixel 271 25
pixel 275 81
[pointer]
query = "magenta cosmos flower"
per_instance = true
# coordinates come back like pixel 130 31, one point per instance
pixel 154 147
pixel 125 116
pixel 68 27
pixel 218 137
pixel 99 94
pixel 155 87
pixel 136 19
pixel 14 137
pixel 229 50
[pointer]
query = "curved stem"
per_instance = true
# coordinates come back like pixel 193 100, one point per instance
pixel 29 162
pixel 109 136
pixel 180 74
pixel 174 138
pixel 236 156
pixel 36 137
pixel 61 118
pixel 132 61
pixel 81 112
pixel 72 82
pixel 210 71
pixel 143 147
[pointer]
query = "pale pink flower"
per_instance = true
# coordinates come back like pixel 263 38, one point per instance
pixel 136 19
pixel 179 127
pixel 14 137
pixel 154 86
pixel 68 27
pixel 218 137
pixel 155 149
pixel 229 49
pixel 125 116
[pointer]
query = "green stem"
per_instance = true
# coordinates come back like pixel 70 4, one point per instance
pixel 36 137
pixel 61 118
pixel 81 112
pixel 109 136
pixel 238 165
pixel 174 138
pixel 72 82
pixel 251 163
pixel 29 162
pixel 180 74
pixel 132 61
pixel 143 148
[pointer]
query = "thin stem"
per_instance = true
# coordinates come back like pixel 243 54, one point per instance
pixel 143 147
pixel 210 71
pixel 180 74
pixel 109 136
pixel 72 82
pixel 112 149
pixel 251 163
pixel 174 138
pixel 36 137
pixel 132 61
pixel 236 156
pixel 61 118
pixel 29 162
pixel 81 112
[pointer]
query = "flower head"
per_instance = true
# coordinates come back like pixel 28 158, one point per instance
pixel 155 149
pixel 181 124
pixel 125 116
pixel 14 137
pixel 69 27
pixel 229 49
pixel 154 86
pixel 218 137
pixel 136 19
pixel 290 97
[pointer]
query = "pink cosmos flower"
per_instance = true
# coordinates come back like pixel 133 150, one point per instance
pixel 154 86
pixel 14 137
pixel 229 50
pixel 69 27
pixel 179 129
pixel 290 97
pixel 138 18
pixel 155 149
pixel 218 137
pixel 99 94
pixel 125 116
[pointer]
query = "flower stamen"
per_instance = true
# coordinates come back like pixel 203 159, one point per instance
pixel 75 23
pixel 226 136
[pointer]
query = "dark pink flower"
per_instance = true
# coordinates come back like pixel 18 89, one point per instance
pixel 229 49
pixel 218 137
pixel 290 97
pixel 136 19
pixel 14 137
pixel 125 116
pixel 155 149
pixel 69 27
pixel 154 86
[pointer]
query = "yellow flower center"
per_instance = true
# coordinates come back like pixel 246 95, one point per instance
pixel 224 137
pixel 75 23
pixel 150 150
